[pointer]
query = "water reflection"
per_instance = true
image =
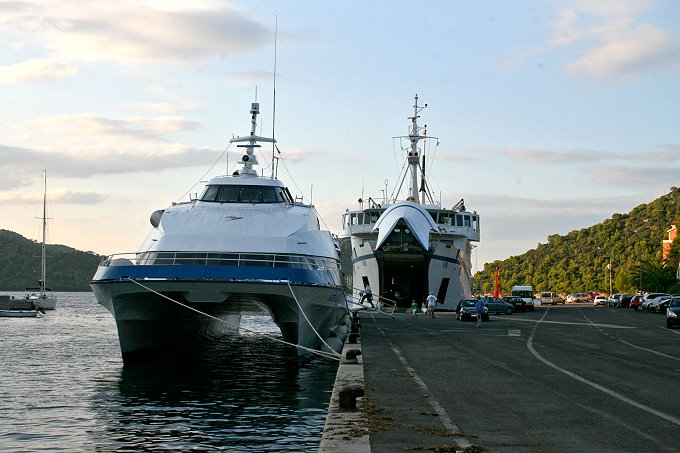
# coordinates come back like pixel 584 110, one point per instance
pixel 239 394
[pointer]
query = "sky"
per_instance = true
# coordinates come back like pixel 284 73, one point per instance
pixel 550 115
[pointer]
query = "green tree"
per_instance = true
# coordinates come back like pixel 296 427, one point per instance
pixel 577 261
pixel 656 276
pixel 624 282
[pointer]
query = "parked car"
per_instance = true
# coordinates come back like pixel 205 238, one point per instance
pixel 624 300
pixel 466 311
pixel 518 303
pixel 551 298
pixel 636 301
pixel 599 300
pixel 655 305
pixel 613 300
pixel 496 305
pixel 651 296
pixel 578 297
pixel 673 313
pixel 593 294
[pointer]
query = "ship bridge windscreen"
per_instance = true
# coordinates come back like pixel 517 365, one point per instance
pixel 217 193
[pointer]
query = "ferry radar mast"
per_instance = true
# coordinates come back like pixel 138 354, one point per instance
pixel 414 166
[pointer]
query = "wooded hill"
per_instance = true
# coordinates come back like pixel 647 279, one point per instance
pixel 578 261
pixel 68 269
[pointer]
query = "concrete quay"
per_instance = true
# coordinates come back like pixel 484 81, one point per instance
pixel 561 379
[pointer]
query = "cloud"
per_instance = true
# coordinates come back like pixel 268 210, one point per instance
pixel 661 177
pixel 37 70
pixel 83 125
pixel 609 40
pixel 666 153
pixel 87 161
pixel 548 156
pixel 125 31
pixel 55 196
pixel 637 49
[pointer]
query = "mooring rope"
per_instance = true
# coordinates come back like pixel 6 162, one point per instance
pixel 325 354
pixel 309 322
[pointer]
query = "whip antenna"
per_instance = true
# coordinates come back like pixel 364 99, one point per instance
pixel 276 32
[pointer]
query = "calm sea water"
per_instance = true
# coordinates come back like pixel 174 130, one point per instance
pixel 63 388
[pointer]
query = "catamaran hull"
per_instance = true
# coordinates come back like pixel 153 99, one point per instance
pixel 199 312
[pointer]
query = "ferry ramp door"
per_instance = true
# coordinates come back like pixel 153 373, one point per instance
pixel 403 278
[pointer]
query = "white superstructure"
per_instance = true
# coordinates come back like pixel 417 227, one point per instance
pixel 245 246
pixel 410 248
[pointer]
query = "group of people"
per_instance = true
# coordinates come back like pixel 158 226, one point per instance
pixel 428 306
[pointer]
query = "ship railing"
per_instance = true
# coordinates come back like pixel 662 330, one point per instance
pixel 381 303
pixel 221 259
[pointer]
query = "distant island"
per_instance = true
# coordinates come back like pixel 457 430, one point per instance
pixel 579 260
pixel 68 269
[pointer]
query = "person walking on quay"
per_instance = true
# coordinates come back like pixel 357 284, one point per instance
pixel 368 295
pixel 431 303
pixel 479 309
pixel 414 307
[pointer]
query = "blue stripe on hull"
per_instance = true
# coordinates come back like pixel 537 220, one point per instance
pixel 202 272
pixel 434 257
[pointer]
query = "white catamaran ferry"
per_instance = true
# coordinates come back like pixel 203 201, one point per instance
pixel 244 247
pixel 408 249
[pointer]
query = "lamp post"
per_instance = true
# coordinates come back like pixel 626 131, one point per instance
pixel 609 266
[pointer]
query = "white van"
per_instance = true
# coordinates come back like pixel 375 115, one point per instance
pixel 527 295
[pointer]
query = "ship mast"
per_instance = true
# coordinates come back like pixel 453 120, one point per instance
pixel 415 168
pixel 43 267
pixel 249 158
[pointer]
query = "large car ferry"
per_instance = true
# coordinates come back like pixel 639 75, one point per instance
pixel 406 249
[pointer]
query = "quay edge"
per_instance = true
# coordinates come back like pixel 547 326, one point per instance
pixel 346 429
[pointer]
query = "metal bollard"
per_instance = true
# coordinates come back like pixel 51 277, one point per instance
pixel 347 397
pixel 351 355
pixel 353 337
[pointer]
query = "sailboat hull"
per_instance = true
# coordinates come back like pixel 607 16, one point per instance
pixel 44 303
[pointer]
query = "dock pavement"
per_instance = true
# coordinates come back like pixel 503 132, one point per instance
pixel 560 379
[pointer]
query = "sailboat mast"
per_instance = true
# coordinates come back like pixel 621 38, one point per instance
pixel 43 267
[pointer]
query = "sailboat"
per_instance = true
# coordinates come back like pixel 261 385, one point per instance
pixel 42 297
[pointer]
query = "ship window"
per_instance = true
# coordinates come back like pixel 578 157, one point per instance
pixel 444 218
pixel 459 220
pixel 354 219
pixel 467 221
pixel 360 221
pixel 244 194
pixel 475 223
pixel 210 193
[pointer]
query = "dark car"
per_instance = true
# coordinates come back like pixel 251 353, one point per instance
pixel 518 303
pixel 673 313
pixel 466 311
pixel 624 300
pixel 496 305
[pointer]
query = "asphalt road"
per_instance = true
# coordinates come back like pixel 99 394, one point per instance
pixel 573 378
